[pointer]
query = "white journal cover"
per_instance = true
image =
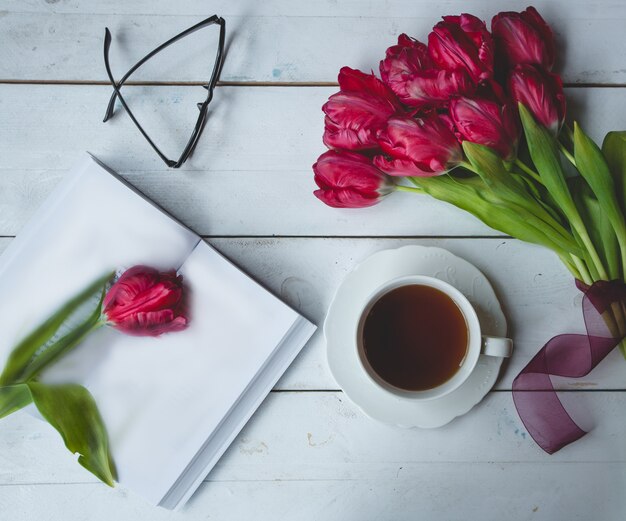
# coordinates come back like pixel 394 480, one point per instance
pixel 171 404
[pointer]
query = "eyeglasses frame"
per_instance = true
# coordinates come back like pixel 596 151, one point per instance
pixel 202 107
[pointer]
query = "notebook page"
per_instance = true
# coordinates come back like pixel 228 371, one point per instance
pixel 188 381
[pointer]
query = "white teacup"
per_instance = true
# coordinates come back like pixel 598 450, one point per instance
pixel 477 343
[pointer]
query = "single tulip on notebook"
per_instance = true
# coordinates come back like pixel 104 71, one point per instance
pixel 171 404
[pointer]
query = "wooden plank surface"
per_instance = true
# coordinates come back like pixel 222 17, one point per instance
pixel 251 173
pixel 322 435
pixel 537 294
pixel 320 451
pixel 274 41
pixel 447 491
pixel 308 453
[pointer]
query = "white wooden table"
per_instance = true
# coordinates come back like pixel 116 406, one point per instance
pixel 308 453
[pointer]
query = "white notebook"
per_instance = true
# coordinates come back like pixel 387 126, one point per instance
pixel 171 404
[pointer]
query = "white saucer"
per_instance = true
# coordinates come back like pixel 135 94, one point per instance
pixel 342 317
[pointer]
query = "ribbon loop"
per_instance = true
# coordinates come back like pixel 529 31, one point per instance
pixel 572 356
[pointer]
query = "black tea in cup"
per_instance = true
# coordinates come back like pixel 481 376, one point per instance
pixel 415 337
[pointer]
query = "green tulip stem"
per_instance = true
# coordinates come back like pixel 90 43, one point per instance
pixel 570 264
pixel 567 154
pixel 618 313
pixel 614 319
pixel 527 170
pixel 404 188
pixel 611 321
pixel 591 249
pixel 583 272
pixel 50 356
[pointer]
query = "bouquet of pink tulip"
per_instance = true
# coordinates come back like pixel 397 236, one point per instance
pixel 141 302
pixel 476 119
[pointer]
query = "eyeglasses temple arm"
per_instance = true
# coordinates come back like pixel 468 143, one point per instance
pixel 211 20
pixel 107 44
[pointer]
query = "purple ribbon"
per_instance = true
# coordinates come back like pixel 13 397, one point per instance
pixel 569 355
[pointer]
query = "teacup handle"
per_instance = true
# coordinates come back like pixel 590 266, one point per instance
pixel 496 346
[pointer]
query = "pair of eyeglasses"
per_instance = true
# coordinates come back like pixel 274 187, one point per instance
pixel 203 107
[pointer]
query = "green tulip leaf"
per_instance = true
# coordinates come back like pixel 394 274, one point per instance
pixel 600 229
pixel 507 188
pixel 493 171
pixel 13 398
pixel 57 349
pixel 490 167
pixel 544 151
pixel 542 196
pixel 72 411
pixel 593 167
pixel 27 357
pixel 614 150
pixel 473 196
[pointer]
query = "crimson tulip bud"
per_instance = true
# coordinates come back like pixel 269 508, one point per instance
pixel 349 180
pixel 358 111
pixel 410 73
pixel 423 147
pixel 146 302
pixel 541 92
pixel 523 38
pixel 408 57
pixel 462 42
pixel 487 123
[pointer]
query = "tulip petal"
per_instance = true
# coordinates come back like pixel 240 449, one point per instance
pixel 462 42
pixel 154 322
pixel 349 180
pixel 487 123
pixel 540 92
pixel 427 142
pixel 160 296
pixel 408 57
pixel 435 88
pixel 354 80
pixel 408 70
pixel 402 168
pixel 523 38
pixel 353 119
pixel 132 282
pixel 345 198
pixel 142 294
pixel 356 113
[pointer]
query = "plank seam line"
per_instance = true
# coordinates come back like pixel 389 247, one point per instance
pixel 306 480
pixel 340 391
pixel 10 81
pixel 279 391
pixel 175 83
pixel 363 237
pixel 350 237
